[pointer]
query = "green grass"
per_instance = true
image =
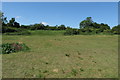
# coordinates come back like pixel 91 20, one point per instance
pixel 94 56
pixel 47 32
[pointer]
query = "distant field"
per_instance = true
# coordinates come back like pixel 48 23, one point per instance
pixel 54 55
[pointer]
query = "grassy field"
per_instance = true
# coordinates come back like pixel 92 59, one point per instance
pixel 54 55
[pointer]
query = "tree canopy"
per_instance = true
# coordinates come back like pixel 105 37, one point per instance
pixel 87 26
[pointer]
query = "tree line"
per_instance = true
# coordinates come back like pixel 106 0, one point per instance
pixel 13 26
pixel 87 26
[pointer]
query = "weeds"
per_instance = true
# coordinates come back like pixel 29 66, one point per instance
pixel 68 55
pixel 81 69
pixel 74 72
pixel 13 47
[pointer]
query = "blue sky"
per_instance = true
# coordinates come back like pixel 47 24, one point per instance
pixel 57 13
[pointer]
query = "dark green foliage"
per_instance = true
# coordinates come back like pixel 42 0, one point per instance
pixel 97 31
pixel 88 31
pixel 10 26
pixel 38 27
pixel 3 19
pixel 71 32
pixel 13 47
pixel 61 27
pixel 87 27
pixel 116 30
pixel 104 26
pixel 51 28
pixel 47 27
pixel 85 31
pixel 88 23
pixel 24 32
pixel 16 24
pixel 10 29
pixel 108 31
pixel 13 23
pixel 14 31
pixel 25 27
pixel 96 25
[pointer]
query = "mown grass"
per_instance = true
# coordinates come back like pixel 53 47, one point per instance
pixel 59 56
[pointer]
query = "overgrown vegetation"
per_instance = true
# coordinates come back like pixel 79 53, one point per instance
pixel 13 47
pixel 25 32
pixel 87 27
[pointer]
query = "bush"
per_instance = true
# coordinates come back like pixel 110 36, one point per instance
pixel 107 32
pixel 14 31
pixel 10 29
pixel 19 33
pixel 116 30
pixel 13 47
pixel 71 32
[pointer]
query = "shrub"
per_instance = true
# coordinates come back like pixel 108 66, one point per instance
pixel 71 32
pixel 116 30
pixel 19 33
pixel 87 31
pixel 68 32
pixel 25 27
pixel 10 29
pixel 13 47
pixel 107 32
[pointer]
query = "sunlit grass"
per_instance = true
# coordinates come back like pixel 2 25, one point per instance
pixel 59 56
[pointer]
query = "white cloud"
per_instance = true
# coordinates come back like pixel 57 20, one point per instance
pixel 18 17
pixel 44 23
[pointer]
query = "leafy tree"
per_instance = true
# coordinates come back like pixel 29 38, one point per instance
pixel 11 22
pixel 46 27
pixel 108 31
pixel 96 25
pixel 17 25
pixel 116 29
pixel 104 27
pixel 42 26
pixel 87 23
pixel 38 27
pixel 62 27
pixel 3 19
